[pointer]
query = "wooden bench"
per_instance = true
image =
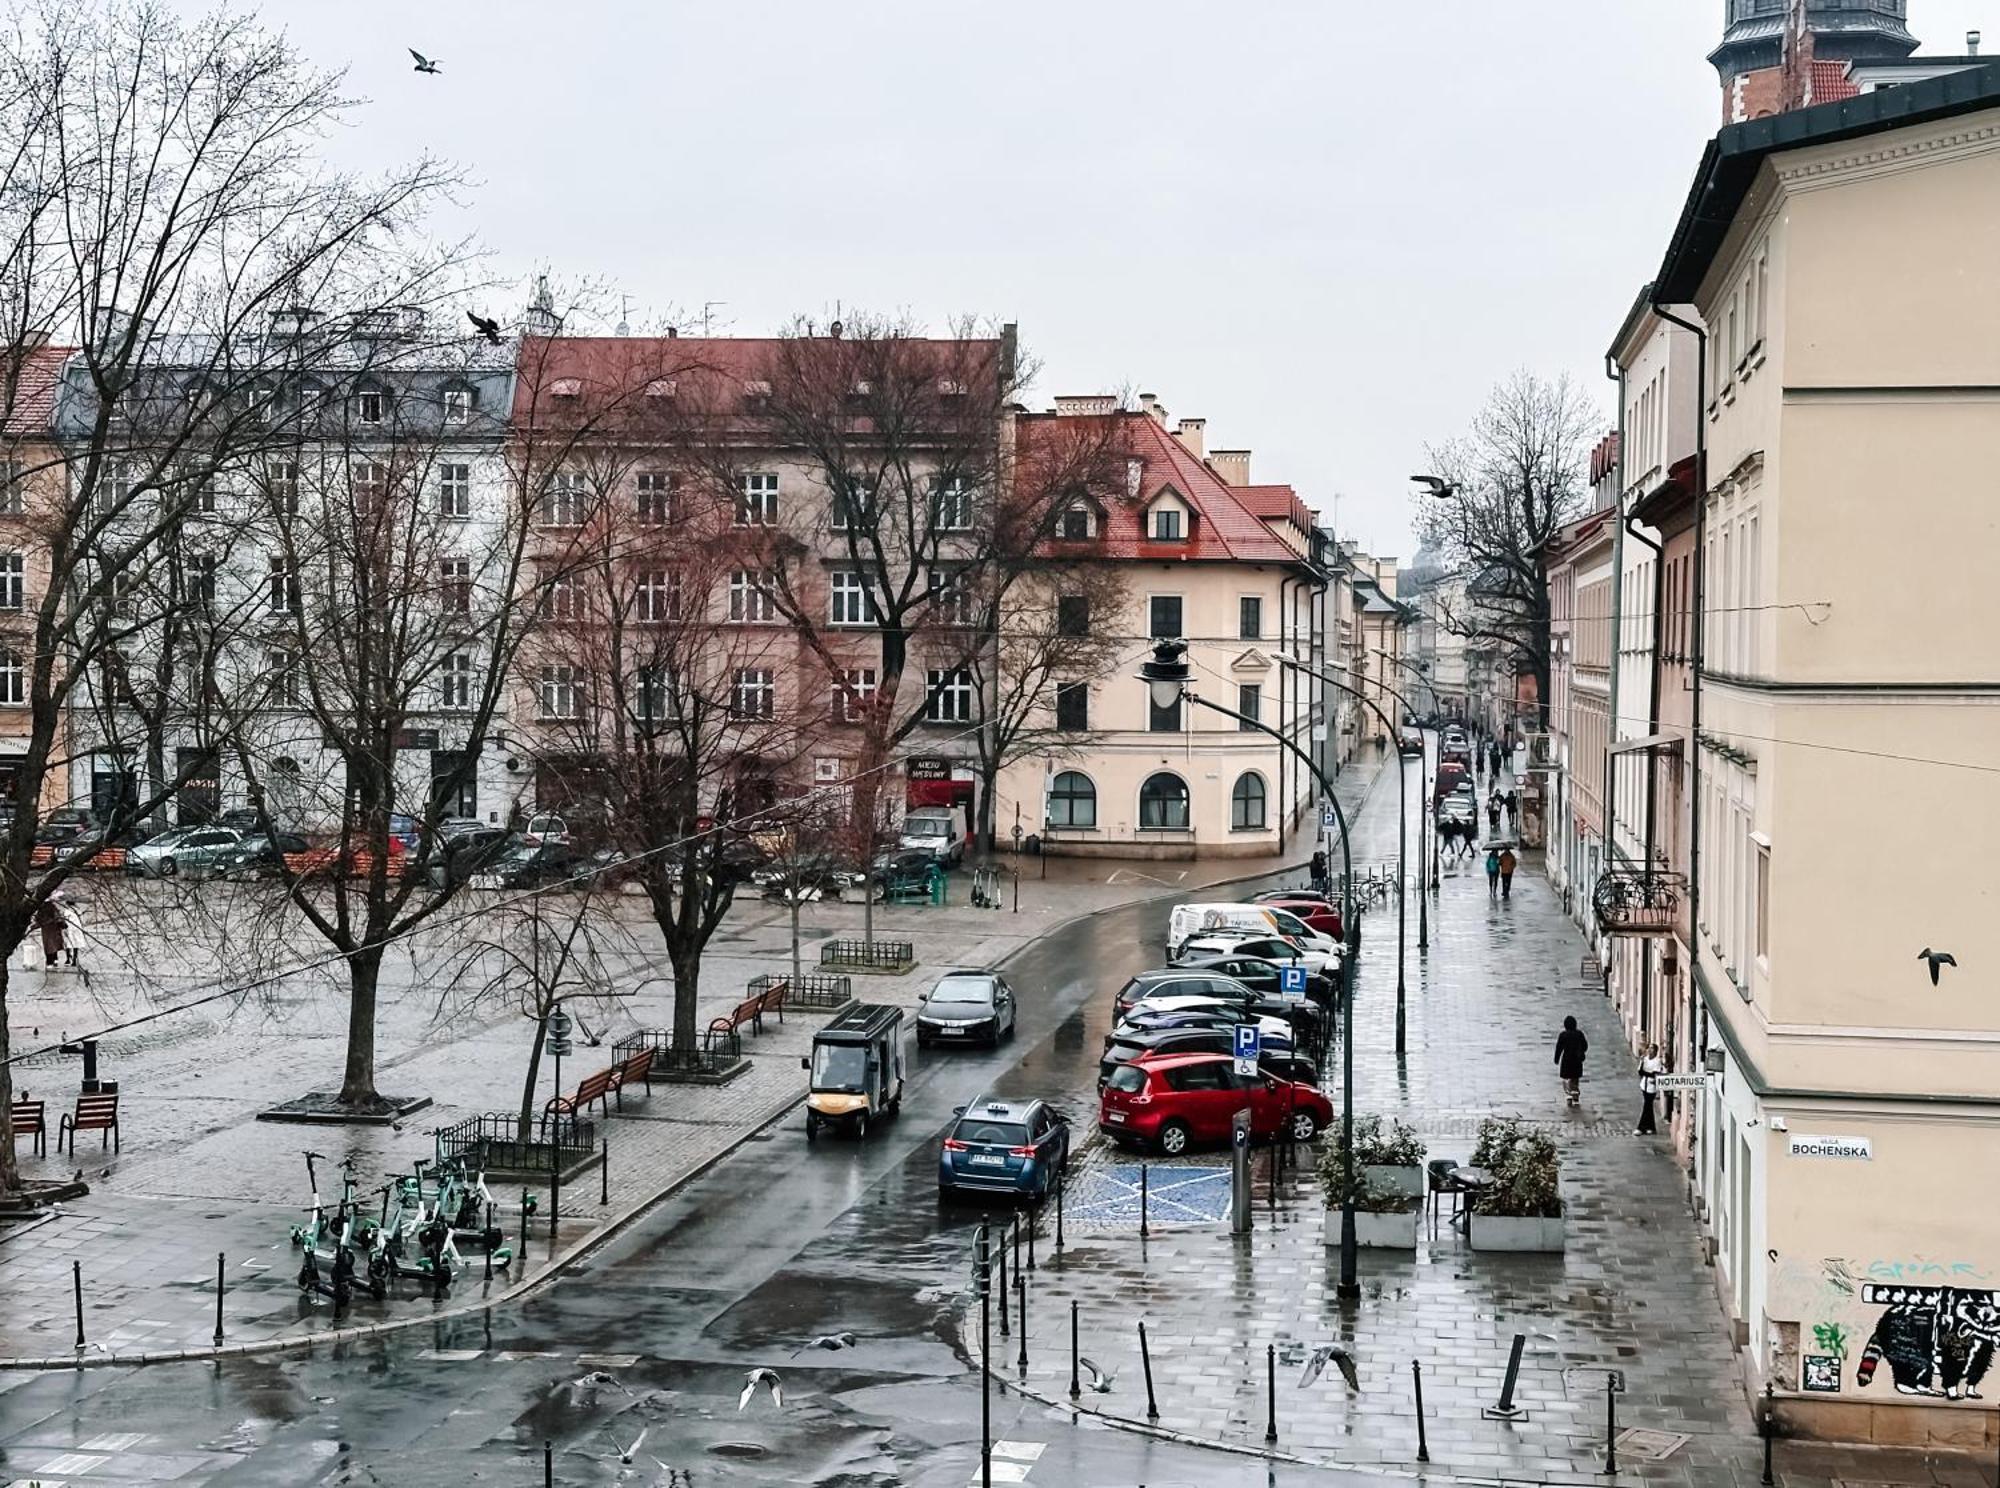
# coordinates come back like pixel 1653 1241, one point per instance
pixel 634 1068
pixel 30 1117
pixel 750 1010
pixel 98 1113
pixel 590 1089
pixel 772 1000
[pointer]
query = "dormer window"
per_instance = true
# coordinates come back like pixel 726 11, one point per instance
pixel 457 403
pixel 1076 524
pixel 1169 519
pixel 369 406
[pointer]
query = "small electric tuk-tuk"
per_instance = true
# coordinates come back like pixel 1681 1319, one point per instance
pixel 857 1069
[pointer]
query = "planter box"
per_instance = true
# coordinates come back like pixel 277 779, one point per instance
pixel 1408 1182
pixel 1511 1232
pixel 1394 1230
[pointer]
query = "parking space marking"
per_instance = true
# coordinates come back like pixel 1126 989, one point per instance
pixel 450 1356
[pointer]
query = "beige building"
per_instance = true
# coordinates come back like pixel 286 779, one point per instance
pixel 1209 559
pixel 1846 734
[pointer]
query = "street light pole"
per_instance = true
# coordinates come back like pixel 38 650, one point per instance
pixel 1167 675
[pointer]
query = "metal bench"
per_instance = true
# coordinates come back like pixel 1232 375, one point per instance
pixel 98 1113
pixel 28 1117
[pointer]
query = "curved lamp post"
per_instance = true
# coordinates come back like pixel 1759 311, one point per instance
pixel 1166 674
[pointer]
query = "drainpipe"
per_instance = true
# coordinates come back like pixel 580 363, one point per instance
pixel 1695 1010
pixel 1284 718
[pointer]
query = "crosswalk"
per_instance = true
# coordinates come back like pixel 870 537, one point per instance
pixel 1012 1462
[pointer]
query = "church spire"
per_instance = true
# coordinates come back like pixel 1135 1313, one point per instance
pixel 1769 47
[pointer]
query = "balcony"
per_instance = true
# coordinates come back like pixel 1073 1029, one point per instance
pixel 1637 901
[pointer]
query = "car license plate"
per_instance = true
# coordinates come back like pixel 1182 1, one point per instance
pixel 1114 1117
pixel 988 1160
pixel 951 1032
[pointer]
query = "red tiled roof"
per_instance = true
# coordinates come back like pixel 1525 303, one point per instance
pixel 1830 83
pixel 34 402
pixel 1225 528
pixel 1276 504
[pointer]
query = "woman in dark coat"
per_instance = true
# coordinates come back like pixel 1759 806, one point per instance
pixel 48 920
pixel 1571 1046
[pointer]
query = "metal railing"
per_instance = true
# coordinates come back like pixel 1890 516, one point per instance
pixel 871 955
pixel 1639 901
pixel 492 1143
pixel 814 990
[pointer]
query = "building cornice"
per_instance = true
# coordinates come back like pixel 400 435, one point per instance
pixel 1813 170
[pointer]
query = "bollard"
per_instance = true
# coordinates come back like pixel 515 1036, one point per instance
pixel 76 1271
pixel 487 1236
pixel 548 1464
pixel 604 1173
pixel 1610 1425
pixel 1423 1445
pixel 1770 1431
pixel 1274 1177
pixel 1271 1391
pixel 219 1265
pixel 1506 1410
pixel 1034 1223
pixel 1021 1298
pixel 1142 1201
pixel 1017 1242
pixel 1075 1383
pixel 1000 1251
pixel 1146 1363
pixel 521 1250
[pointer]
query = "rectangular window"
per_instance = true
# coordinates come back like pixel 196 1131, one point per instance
pixel 13 581
pixel 281 486
pixel 1164 614
pixel 281 677
pixel 1167 525
pixel 954 507
pixel 948 696
pixel 853 505
pixel 455 681
pixel 1073 615
pixel 562 599
pixel 368 406
pixel 1076 524
pixel 455 585
pixel 201 578
pixel 369 481
pixel 13 490
pixel 656 498
pixel 951 593
pixel 753 695
pixel 455 491
pixel 1073 707
pixel 653 693
pixel 204 500
pixel 854 694
pixel 13 678
pixel 1250 617
pixel 659 596
pixel 757 501
pixel 750 598
pixel 1250 703
pixel 1762 912
pixel 849 602
pixel 559 693
pixel 1160 720
pixel 457 405
pixel 563 500
pixel 283 587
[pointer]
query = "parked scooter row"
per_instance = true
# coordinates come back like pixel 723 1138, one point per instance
pixel 425 1217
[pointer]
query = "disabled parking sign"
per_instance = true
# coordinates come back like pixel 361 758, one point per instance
pixel 1249 1045
pixel 1292 981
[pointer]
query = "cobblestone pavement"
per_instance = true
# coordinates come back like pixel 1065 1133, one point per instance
pixel 1630 1294
pixel 199 1177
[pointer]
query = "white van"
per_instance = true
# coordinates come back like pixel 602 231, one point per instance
pixel 1188 920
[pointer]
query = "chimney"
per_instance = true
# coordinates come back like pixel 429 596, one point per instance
pixel 1190 434
pixel 1232 465
pixel 1150 404
pixel 1972 43
pixel 1093 403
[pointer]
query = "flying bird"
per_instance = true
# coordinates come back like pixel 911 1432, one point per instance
pixel 1936 959
pixel 1341 1358
pixel 1099 1381
pixel 490 329
pixel 626 1454
pixel 424 64
pixel 761 1376
pixel 592 1382
pixel 831 1342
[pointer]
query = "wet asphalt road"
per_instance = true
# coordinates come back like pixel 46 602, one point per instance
pixel 779 1243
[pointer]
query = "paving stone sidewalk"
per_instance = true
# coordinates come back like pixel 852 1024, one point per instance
pixel 199 1177
pixel 1631 1293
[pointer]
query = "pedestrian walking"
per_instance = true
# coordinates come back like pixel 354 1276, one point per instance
pixel 49 921
pixel 1512 803
pixel 72 928
pixel 1493 812
pixel 1650 1070
pixel 1571 1046
pixel 1508 862
pixel 1319 871
pixel 1492 873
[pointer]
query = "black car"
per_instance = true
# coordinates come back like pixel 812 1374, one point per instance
pixel 453 858
pixel 1212 979
pixel 64 823
pixel 259 855
pixel 1259 975
pixel 1126 1047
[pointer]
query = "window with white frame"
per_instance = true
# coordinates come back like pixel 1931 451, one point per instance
pixel 658 594
pixel 853 505
pixel 750 598
pixel 951 596
pixel 455 490
pixel 1075 524
pixel 13 678
pixel 369 481
pixel 281 677
pixel 948 696
pixel 201 568
pixel 455 681
pixel 281 486
pixel 560 692
pixel 283 586
pixel 13 489
pixel 455 585
pixel 562 598
pixel 13 581
pixel 115 481
pixel 853 694
pixel 1166 525
pixel 656 498
pixel 848 600
pixel 753 695
pixel 757 500
pixel 370 406
pixel 457 404
pixel 564 500
pixel 954 506
pixel 653 693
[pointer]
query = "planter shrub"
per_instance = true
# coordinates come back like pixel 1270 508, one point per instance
pixel 1387 1183
pixel 1522 1208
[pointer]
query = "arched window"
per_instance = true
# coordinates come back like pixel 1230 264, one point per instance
pixel 13 678
pixel 1246 802
pixel 1163 804
pixel 1072 800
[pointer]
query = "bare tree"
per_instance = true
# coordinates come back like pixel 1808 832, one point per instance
pixel 165 202
pixel 1515 479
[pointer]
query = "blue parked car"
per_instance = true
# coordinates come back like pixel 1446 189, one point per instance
pixel 1000 1146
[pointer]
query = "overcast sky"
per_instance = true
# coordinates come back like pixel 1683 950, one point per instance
pixel 1327 227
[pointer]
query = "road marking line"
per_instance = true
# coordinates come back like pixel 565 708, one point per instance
pixel 114 1441
pixel 608 1361
pixel 72 1462
pixel 1009 1472
pixel 514 1356
pixel 1020 1451
pixel 450 1356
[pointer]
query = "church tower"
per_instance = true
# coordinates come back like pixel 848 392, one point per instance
pixel 1769 48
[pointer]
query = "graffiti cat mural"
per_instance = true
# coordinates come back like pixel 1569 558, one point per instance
pixel 1938 1340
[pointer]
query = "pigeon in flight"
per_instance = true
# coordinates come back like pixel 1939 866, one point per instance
pixel 831 1342
pixel 1341 1358
pixel 1937 959
pixel 761 1376
pixel 1099 1381
pixel 490 329
pixel 591 1383
pixel 424 64
pixel 626 1454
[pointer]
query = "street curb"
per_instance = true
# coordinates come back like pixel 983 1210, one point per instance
pixel 527 1286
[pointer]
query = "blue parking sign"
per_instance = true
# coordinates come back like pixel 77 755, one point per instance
pixel 1249 1041
pixel 1292 981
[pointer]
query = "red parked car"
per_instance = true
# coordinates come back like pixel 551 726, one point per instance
pixel 1317 913
pixel 1172 1101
